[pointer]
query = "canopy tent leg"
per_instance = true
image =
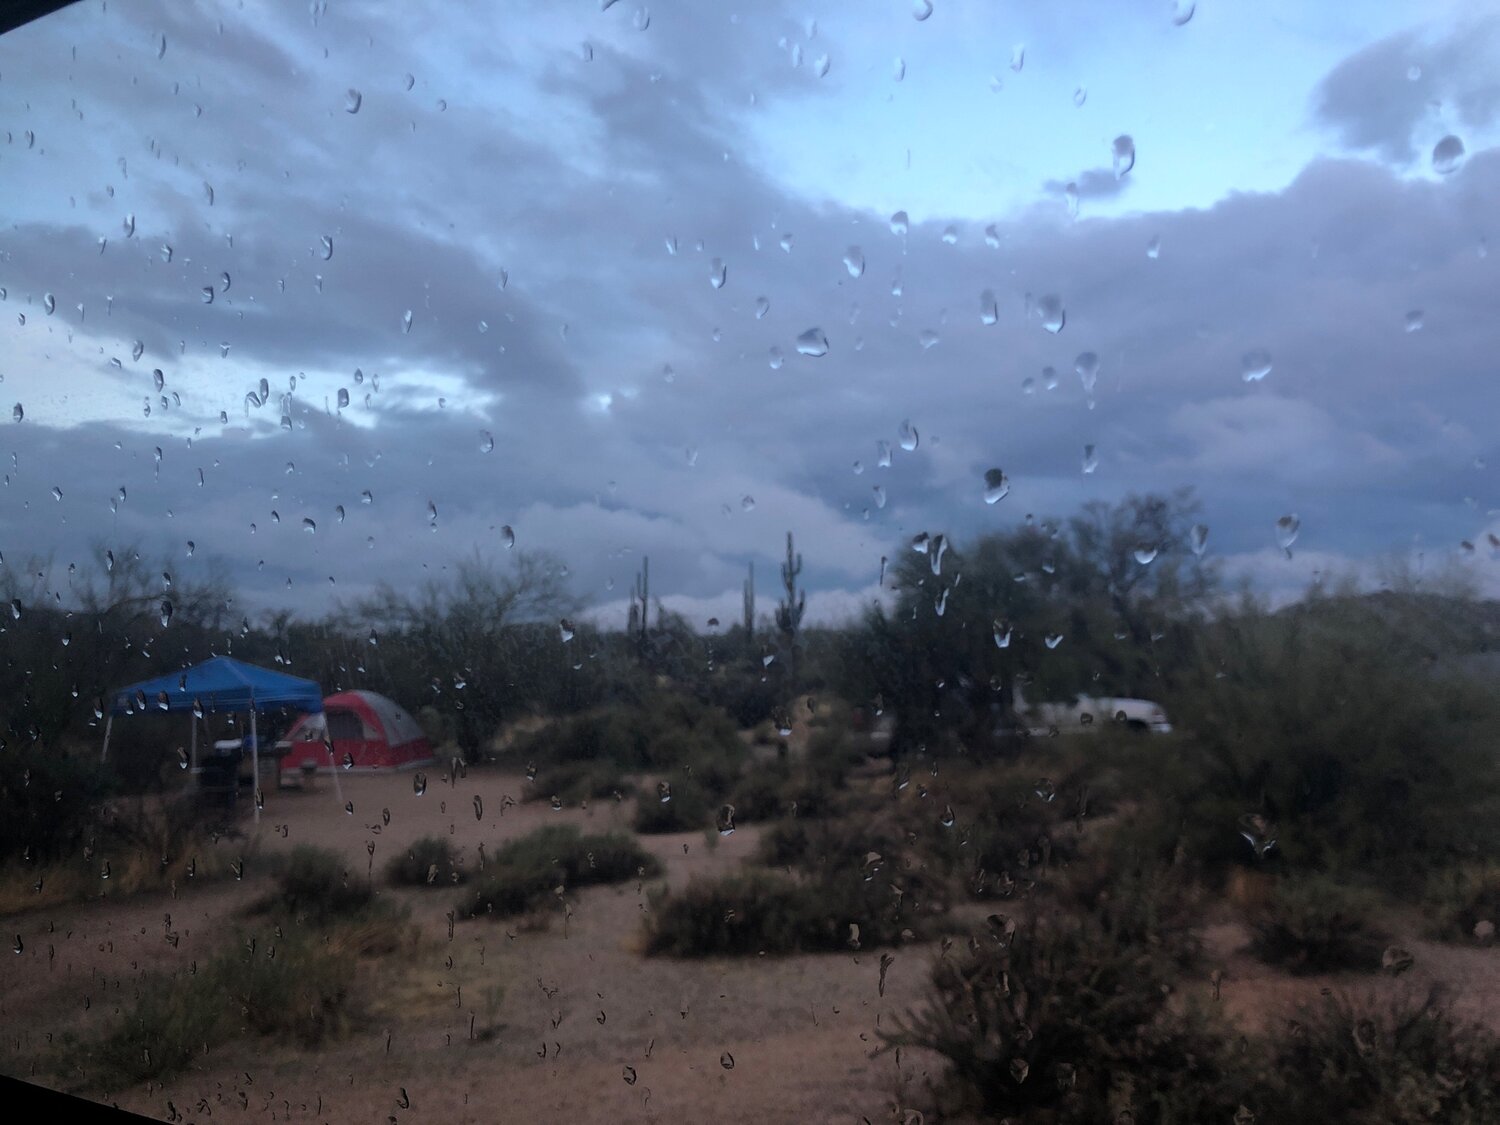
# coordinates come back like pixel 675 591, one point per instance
pixel 109 724
pixel 333 761
pixel 255 767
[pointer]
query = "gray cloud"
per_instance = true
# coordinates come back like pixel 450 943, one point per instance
pixel 1387 97
pixel 631 403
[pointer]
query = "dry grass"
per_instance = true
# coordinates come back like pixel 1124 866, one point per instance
pixel 40 886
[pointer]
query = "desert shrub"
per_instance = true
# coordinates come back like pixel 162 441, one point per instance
pixel 296 986
pixel 315 884
pixel 1061 1022
pixel 1406 1058
pixel 746 696
pixel 666 730
pixel 527 871
pixel 1461 901
pixel 759 794
pixel 429 862
pixel 573 782
pixel 48 802
pixel 755 912
pixel 1312 719
pixel 690 808
pixel 1313 924
pixel 831 754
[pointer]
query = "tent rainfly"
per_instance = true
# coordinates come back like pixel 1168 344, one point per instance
pixel 220 684
pixel 366 730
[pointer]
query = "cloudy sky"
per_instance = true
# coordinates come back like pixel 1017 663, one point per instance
pixel 549 267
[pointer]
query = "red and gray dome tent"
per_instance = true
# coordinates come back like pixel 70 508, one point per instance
pixel 366 730
pixel 220 684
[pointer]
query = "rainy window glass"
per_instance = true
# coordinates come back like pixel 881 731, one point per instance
pixel 893 561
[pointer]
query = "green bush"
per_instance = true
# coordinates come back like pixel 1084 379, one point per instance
pixel 296 986
pixel 1062 1022
pixel 315 884
pixel 760 793
pixel 1407 1059
pixel 1313 924
pixel 755 912
pixel 665 731
pixel 1460 902
pixel 527 871
pixel 574 782
pixel 429 862
pixel 48 802
pixel 831 754
pixel 690 808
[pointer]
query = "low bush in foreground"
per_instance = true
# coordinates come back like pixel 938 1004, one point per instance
pixel 756 912
pixel 297 986
pixel 1463 905
pixel 429 862
pixel 574 782
pixel 314 884
pixel 688 807
pixel 1313 924
pixel 1061 1022
pixel 527 871
pixel 1406 1059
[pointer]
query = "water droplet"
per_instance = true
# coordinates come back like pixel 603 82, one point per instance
pixel 565 630
pixel 1414 320
pixel 1145 554
pixel 950 235
pixel 718 273
pixel 898 69
pixel 879 496
pixel 992 237
pixel 129 225
pixel 1080 96
pixel 486 441
pixel 49 302
pixel 1087 366
pixel 1028 386
pixel 1255 365
pixel 928 339
pixel 1090 459
pixel 1002 635
pixel 1123 152
pixel 947 820
pixel 1051 313
pixel 900 224
pixel 989 307
pixel 166 613
pixel 353 99
pixel 17 412
pixel 726 1060
pixel 812 343
pixel 664 791
pixel 629 1076
pixel 343 398
pixel 724 821
pixel 1018 57
pixel 508 537
pixel 854 261
pixel 406 321
pixel 747 503
pixel 1182 11
pixel 996 486
pixel 762 306
pixel 908 436
pixel 419 783
pixel 1447 155
pixel 921 9
pixel 327 241
pixel 1052 640
pixel 1287 528
pixel 1198 538
pixel 883 454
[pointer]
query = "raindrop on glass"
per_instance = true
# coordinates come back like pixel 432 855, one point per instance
pixel 1255 365
pixel 1447 155
pixel 1123 155
pixel 812 343
pixel 996 486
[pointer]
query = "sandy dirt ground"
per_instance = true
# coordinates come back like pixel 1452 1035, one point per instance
pixel 774 1039
pixel 588 1030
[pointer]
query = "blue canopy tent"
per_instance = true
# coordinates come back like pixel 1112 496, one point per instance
pixel 220 684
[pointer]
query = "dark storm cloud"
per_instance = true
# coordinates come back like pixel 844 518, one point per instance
pixel 1384 97
pixel 634 406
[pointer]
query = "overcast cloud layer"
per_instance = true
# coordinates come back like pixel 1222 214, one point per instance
pixel 552 192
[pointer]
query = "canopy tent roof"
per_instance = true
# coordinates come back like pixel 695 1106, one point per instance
pixel 220 684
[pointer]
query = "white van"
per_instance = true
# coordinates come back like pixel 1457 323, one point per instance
pixel 1090 713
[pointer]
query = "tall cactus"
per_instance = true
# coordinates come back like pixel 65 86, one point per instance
pixel 640 606
pixel 750 607
pixel 789 612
